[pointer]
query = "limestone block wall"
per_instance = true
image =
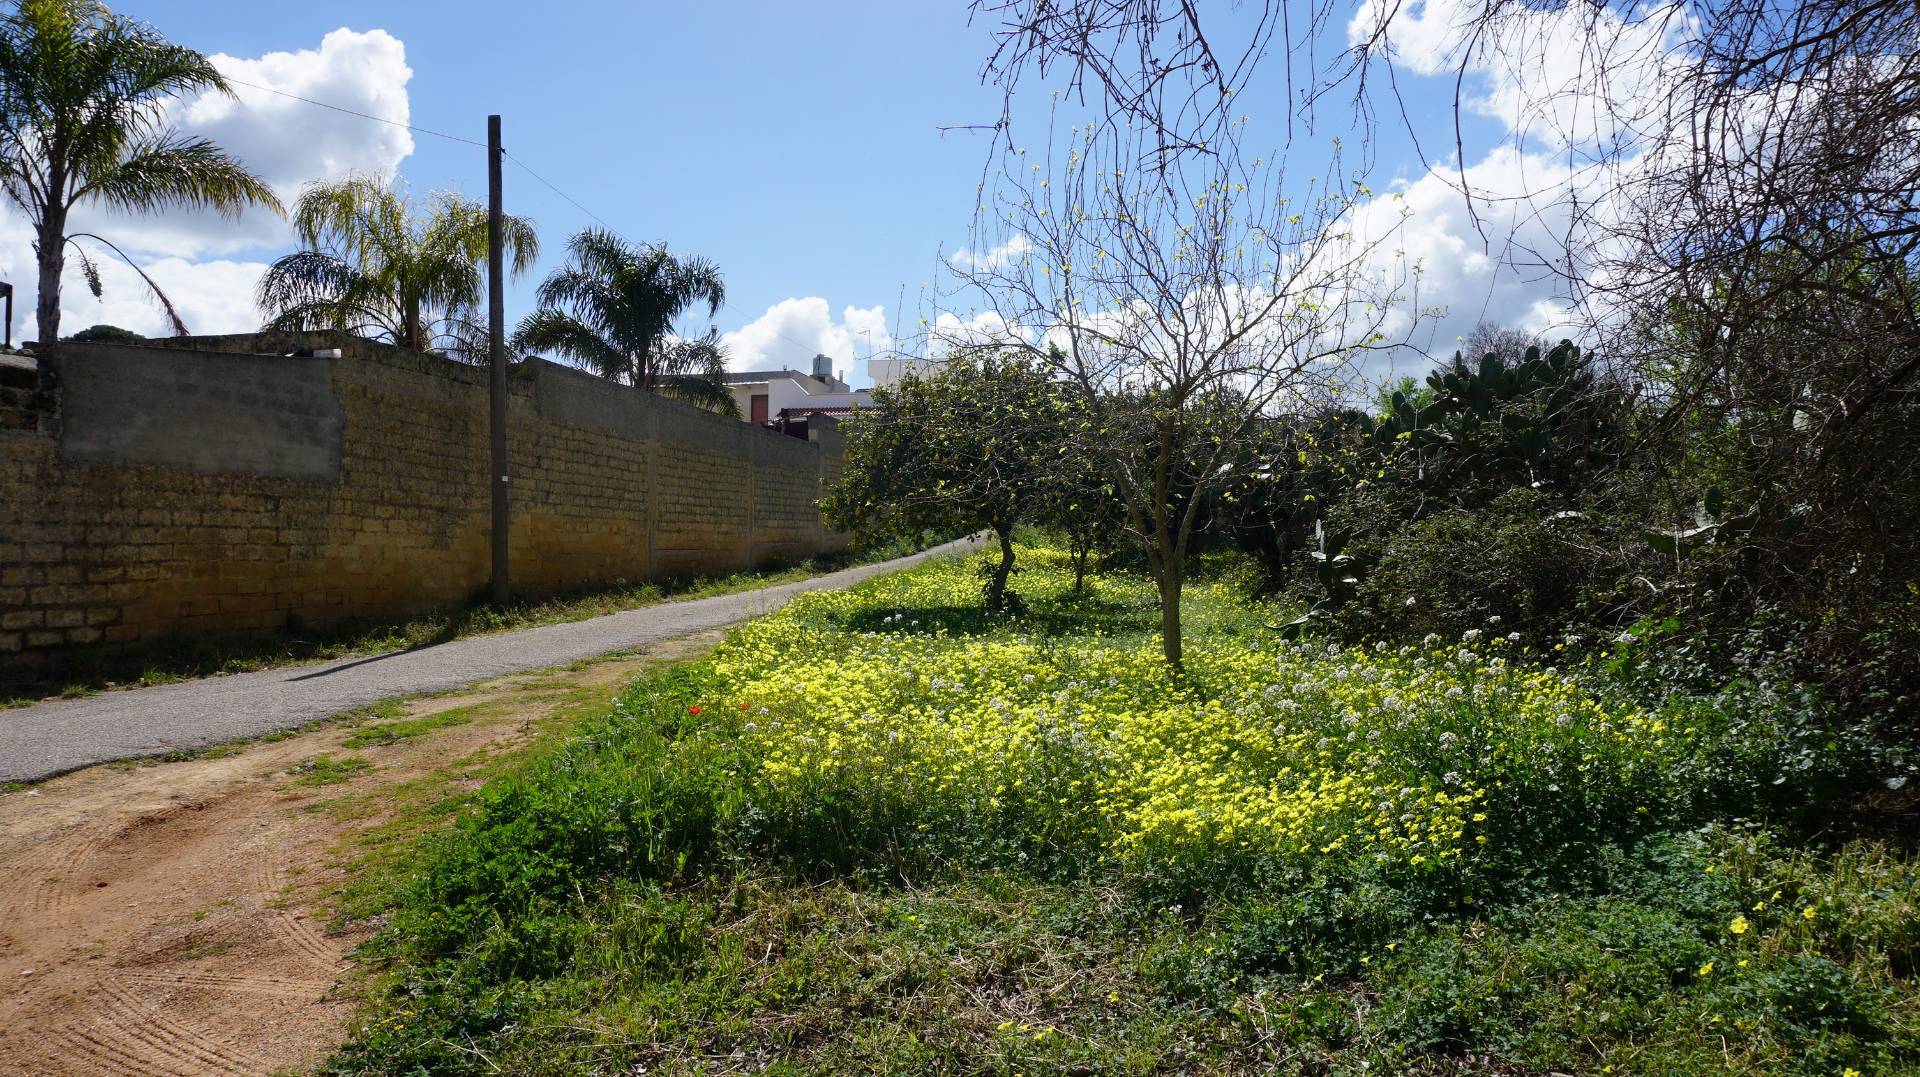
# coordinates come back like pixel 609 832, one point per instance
pixel 220 485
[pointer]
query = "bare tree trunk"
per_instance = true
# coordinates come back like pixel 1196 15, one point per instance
pixel 1168 555
pixel 51 251
pixel 1170 574
pixel 997 587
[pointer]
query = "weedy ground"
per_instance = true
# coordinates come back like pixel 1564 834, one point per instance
pixel 882 831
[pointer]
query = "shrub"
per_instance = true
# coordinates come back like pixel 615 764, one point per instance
pixel 1526 562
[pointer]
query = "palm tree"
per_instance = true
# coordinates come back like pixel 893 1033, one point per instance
pixel 83 97
pixel 372 265
pixel 611 309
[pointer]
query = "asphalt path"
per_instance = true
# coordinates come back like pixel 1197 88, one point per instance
pixel 45 739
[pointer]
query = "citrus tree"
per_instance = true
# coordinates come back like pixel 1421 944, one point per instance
pixel 974 446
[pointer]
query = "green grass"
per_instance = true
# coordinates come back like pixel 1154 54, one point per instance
pixel 187 657
pixel 378 858
pixel 390 732
pixel 884 832
pixel 327 769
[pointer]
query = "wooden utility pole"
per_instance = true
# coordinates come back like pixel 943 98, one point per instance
pixel 497 364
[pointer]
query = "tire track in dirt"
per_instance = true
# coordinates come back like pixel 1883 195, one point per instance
pixel 270 986
pixel 167 920
pixel 39 878
pixel 131 1021
pixel 82 1045
pixel 270 881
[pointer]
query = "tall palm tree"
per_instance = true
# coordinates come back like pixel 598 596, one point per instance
pixel 373 265
pixel 611 309
pixel 83 97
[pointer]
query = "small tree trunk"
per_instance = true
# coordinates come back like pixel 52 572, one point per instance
pixel 52 257
pixel 997 587
pixel 1080 567
pixel 1171 579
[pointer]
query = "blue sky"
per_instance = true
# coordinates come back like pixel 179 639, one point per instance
pixel 797 146
pixel 800 153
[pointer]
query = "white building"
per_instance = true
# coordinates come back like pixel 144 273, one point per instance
pixel 765 395
pixel 889 372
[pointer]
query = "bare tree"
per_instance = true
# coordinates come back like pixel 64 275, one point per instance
pixel 1488 338
pixel 1145 63
pixel 1185 294
pixel 1694 137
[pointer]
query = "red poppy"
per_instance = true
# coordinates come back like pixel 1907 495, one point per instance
pixel 693 710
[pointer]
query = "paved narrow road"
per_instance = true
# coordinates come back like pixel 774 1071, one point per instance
pixel 57 736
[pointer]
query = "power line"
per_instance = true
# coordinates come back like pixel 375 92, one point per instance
pixel 550 185
pixel 355 112
pixel 528 169
pixel 576 203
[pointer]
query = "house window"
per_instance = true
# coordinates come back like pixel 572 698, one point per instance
pixel 758 408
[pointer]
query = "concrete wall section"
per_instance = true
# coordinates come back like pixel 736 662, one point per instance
pixel 151 491
pixel 204 413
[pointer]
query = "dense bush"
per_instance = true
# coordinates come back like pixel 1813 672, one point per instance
pixel 1527 561
pixel 1758 489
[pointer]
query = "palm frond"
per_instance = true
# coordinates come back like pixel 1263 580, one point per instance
pixel 702 392
pixel 174 170
pixel 466 340
pixel 153 286
pixel 556 331
pixel 696 371
pixel 84 98
pixel 418 267
pixel 629 297
pixel 345 318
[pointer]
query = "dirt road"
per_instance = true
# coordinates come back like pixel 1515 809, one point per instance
pixel 174 918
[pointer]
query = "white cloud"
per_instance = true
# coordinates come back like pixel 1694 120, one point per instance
pixel 1572 88
pixel 793 331
pixel 1422 36
pixel 1484 263
pixel 1569 75
pixel 200 258
pixel 1005 254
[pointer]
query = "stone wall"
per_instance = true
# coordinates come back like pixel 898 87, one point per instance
pixel 189 488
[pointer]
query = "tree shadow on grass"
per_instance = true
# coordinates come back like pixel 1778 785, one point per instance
pixel 1053 616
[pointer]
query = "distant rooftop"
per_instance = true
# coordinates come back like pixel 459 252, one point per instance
pixel 742 376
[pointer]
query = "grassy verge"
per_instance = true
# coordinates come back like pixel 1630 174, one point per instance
pixel 188 657
pixel 881 832
pixel 390 822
